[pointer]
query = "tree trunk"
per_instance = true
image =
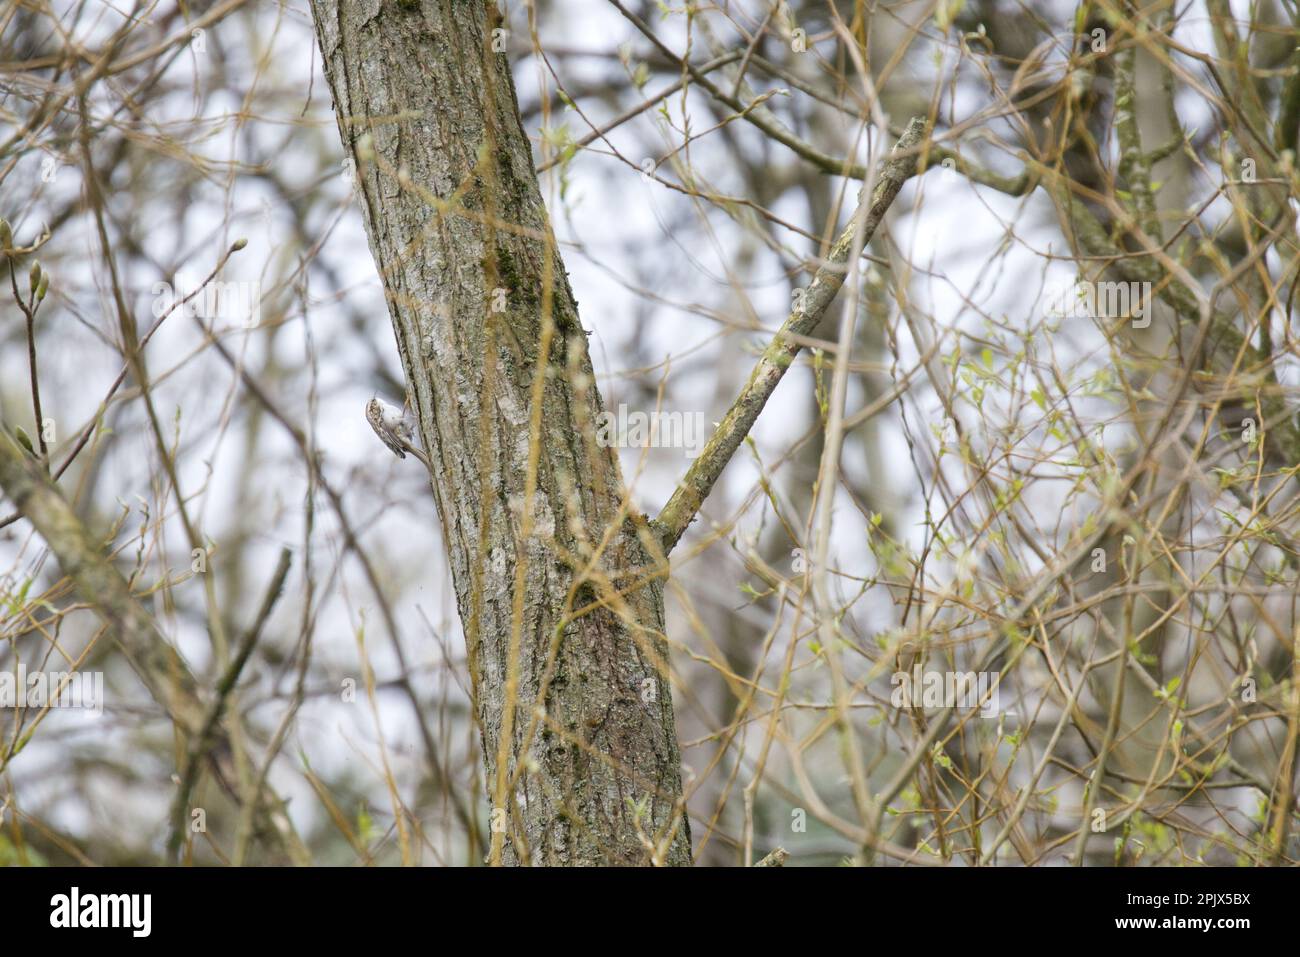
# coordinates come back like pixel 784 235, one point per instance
pixel 566 648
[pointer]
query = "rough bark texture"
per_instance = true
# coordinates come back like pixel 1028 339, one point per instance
pixel 453 212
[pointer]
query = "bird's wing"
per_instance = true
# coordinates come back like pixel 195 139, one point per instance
pixel 393 444
pixel 376 420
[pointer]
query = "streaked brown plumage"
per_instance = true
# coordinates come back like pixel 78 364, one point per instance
pixel 393 430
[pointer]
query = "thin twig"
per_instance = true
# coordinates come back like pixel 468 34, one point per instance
pixel 89 430
pixel 29 312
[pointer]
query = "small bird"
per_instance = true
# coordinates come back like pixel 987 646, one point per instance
pixel 394 428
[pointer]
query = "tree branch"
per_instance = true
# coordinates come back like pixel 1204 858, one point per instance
pixel 759 118
pixel 161 669
pixel 780 353
pixel 203 741
pixel 163 672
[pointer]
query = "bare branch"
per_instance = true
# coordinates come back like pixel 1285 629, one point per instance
pixel 700 478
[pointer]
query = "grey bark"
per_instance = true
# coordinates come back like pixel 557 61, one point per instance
pixel 453 213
